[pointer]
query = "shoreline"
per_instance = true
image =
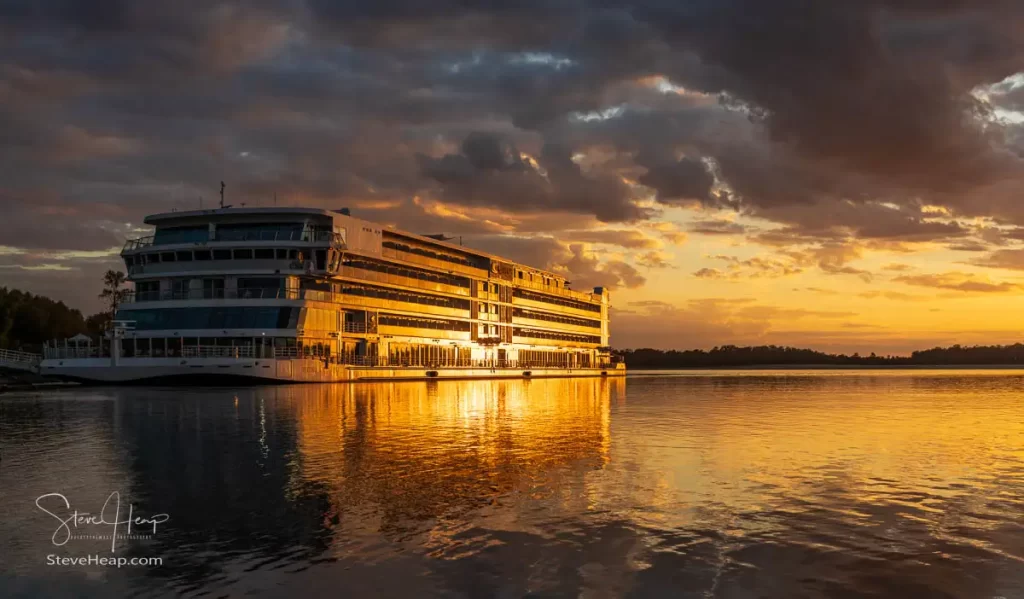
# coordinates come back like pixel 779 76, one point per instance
pixel 634 370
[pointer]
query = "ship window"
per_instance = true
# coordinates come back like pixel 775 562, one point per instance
pixel 264 254
pixel 293 254
pixel 221 254
pixel 262 232
pixel 520 274
pixel 128 261
pixel 243 255
pixel 180 287
pixel 282 254
pixel 213 288
pixel 202 254
pixel 166 235
pixel 167 257
pixel 212 318
pixel 183 256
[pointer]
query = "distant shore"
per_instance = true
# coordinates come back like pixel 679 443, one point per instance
pixel 837 367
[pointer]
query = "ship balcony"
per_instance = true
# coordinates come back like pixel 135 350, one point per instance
pixel 582 296
pixel 562 327
pixel 433 263
pixel 370 276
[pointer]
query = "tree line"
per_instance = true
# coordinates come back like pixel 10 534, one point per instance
pixel 773 355
pixel 27 321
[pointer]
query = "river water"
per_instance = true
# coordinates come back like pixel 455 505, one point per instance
pixel 736 485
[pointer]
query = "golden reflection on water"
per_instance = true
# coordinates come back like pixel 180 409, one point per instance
pixel 420 451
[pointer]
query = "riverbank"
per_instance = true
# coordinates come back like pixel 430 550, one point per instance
pixel 11 380
pixel 835 367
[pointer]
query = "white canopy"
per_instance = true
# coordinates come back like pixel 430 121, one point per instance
pixel 80 338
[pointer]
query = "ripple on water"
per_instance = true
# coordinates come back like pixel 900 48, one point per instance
pixel 793 484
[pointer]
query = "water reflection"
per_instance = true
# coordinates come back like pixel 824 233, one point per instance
pixel 792 484
pixel 271 477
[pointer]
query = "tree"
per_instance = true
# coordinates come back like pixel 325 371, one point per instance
pixel 113 290
pixel 98 323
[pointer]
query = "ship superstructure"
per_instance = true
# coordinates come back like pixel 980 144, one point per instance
pixel 302 294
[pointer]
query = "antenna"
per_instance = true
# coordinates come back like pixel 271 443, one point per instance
pixel 221 194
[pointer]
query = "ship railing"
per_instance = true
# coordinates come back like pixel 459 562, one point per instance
pixel 267 352
pixel 425 283
pixel 67 353
pixel 308 235
pixel 222 351
pixel 433 261
pixel 355 327
pixel 137 244
pixel 198 294
pixel 319 236
pixel 583 296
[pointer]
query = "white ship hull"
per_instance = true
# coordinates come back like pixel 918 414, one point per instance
pixel 276 370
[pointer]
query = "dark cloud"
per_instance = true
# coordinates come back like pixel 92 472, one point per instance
pixel 840 122
pixel 489 172
pixel 685 180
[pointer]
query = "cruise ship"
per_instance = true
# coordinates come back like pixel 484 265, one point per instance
pixel 310 295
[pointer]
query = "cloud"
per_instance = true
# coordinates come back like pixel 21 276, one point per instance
pixel 488 171
pixel 958 281
pixel 627 238
pixel 655 259
pixel 682 181
pixel 717 227
pixel 584 270
pixel 1008 259
pixel 707 322
pixel 876 124
pixel 895 296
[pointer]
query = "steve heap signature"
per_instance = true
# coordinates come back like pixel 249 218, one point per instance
pixel 109 516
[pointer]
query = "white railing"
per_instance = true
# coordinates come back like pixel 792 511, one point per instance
pixel 222 351
pixel 250 352
pixel 63 353
pixel 12 357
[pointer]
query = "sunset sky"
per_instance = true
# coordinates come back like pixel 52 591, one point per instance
pixel 846 176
